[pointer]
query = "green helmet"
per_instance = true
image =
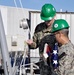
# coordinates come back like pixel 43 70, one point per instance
pixel 59 24
pixel 48 12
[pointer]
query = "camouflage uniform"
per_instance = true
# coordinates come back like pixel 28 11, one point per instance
pixel 42 36
pixel 66 63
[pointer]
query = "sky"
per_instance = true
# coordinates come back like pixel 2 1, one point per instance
pixel 65 5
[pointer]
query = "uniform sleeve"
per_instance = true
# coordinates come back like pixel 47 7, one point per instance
pixel 34 45
pixel 67 67
pixel 35 36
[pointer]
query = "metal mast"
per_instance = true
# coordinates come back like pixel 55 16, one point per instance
pixel 4 49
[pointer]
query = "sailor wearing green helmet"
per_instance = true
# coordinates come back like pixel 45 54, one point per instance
pixel 59 25
pixel 48 12
pixel 60 28
pixel 42 35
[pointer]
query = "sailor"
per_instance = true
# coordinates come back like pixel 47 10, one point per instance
pixel 42 35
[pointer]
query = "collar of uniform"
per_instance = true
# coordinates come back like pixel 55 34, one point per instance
pixel 47 30
pixel 65 45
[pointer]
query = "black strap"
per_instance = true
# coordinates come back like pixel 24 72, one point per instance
pixel 62 55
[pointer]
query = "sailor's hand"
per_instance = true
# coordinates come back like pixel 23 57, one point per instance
pixel 29 42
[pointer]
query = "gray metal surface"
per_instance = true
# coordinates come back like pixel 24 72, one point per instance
pixel 4 49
